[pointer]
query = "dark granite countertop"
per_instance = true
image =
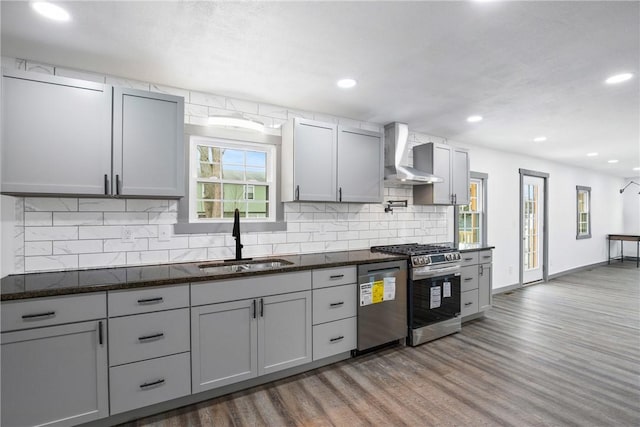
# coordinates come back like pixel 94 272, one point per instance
pixel 33 285
pixel 474 248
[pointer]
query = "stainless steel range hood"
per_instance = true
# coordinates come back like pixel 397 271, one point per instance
pixel 396 146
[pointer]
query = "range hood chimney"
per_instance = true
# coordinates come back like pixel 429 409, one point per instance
pixel 396 145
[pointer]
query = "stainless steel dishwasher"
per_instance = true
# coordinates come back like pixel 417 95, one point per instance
pixel 382 303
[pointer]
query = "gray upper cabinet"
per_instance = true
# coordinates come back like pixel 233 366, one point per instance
pixel 323 162
pixel 447 162
pixel 147 144
pixel 54 376
pixel 56 135
pixel 308 161
pixel 360 166
pixel 64 136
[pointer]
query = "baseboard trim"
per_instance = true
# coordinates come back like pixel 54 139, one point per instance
pixel 504 289
pixel 577 269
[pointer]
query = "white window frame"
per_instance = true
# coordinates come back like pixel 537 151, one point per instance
pixel 587 191
pixel 481 179
pixel 270 151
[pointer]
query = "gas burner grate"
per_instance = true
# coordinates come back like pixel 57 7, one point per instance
pixel 411 249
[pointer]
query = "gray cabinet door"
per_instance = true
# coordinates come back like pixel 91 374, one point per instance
pixel 55 375
pixel 148 144
pixel 56 135
pixel 314 161
pixel 460 176
pixel 360 168
pixel 223 344
pixel 284 332
pixel 484 286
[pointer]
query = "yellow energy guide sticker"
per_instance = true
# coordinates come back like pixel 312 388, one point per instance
pixel 378 291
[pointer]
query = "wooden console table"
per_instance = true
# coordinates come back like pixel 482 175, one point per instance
pixel 624 238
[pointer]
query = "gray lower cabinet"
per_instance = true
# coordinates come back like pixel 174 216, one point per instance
pixel 56 135
pixel 476 281
pixel 239 340
pixel 55 376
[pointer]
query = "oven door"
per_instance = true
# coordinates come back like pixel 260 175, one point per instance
pixel 434 296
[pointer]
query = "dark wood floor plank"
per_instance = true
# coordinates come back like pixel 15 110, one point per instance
pixel 562 353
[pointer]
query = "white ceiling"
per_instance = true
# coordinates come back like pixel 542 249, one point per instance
pixel 530 68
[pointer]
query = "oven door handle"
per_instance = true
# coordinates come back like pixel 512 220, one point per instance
pixel 422 274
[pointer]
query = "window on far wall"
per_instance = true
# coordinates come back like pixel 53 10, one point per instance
pixel 226 175
pixel 583 196
pixel 471 217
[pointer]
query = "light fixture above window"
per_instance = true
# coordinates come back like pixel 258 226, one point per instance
pixel 51 11
pixel 346 83
pixel 236 121
pixel 618 78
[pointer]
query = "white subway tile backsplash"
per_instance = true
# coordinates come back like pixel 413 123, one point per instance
pixel 77 218
pixel 53 262
pixel 126 218
pixel 325 216
pixel 313 207
pixel 325 118
pixel 272 111
pixel 170 91
pixel 298 216
pixel 101 205
pixel 38 218
pixel 80 75
pixel 257 251
pixel 370 234
pixel 102 259
pixel 337 207
pixel 99 232
pixel 338 245
pixel 292 207
pixel 147 205
pixel 50 233
pixel 181 242
pixel 272 238
pixel 163 217
pixel 207 99
pixel 310 247
pixel 36 67
pixel 144 231
pixel 310 226
pixel 220 253
pixel 127 83
pixel 327 236
pixel 206 241
pixel 299 113
pixel 298 237
pixel 196 110
pixel 43 204
pixel 242 106
pixel 38 248
pixel 287 248
pixel 186 255
pixel 348 235
pixel 61 247
pixel 359 244
pixel 147 257
pixel 117 245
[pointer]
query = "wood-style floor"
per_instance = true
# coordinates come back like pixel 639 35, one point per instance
pixel 563 353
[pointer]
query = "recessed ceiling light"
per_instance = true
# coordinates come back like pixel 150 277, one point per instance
pixel 618 78
pixel 346 83
pixel 612 161
pixel 540 138
pixel 51 11
pixel 474 119
pixel 592 154
pixel 637 169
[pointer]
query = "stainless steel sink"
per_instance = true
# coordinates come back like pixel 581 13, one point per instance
pixel 239 267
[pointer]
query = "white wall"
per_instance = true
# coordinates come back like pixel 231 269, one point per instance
pixel 565 252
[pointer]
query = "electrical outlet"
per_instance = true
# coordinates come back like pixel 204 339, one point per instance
pixel 510 269
pixel 164 233
pixel 127 235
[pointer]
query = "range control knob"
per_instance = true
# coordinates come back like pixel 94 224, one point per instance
pixel 447 257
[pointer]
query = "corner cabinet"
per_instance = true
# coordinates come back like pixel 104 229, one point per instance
pixel 447 162
pixel 324 162
pixel 54 373
pixel 252 327
pixel 63 136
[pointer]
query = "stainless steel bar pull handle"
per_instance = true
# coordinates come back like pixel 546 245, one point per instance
pixel 466 279
pixel 156 300
pixel 261 307
pixel 297 195
pixel 340 193
pixel 336 304
pixel 341 337
pixel 100 335
pixel 467 304
pixel 336 276
pixel 106 184
pixel 118 184
pixel 38 316
pixel 151 337
pixel 467 259
pixel 486 256
pixel 254 308
pixel 152 383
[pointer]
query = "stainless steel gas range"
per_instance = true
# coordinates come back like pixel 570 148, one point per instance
pixel 433 302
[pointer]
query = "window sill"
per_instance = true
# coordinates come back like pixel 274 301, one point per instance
pixel 583 236
pixel 226 227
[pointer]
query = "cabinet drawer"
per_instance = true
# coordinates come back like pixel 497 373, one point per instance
pixel 469 303
pixel 334 337
pixel 122 303
pixel 152 381
pixel 145 336
pixel 250 287
pixel 333 276
pixel 37 312
pixel 338 302
pixel 469 278
pixel 469 258
pixel 485 257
